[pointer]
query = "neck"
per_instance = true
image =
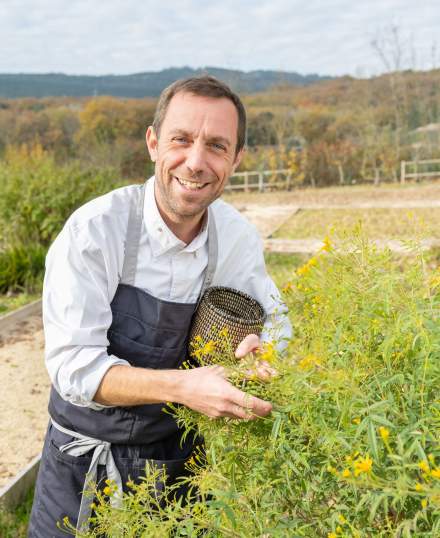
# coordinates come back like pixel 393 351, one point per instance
pixel 185 228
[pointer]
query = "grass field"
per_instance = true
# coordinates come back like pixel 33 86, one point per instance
pixel 14 524
pixel 378 223
pixel 384 194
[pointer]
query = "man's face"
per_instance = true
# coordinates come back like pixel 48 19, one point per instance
pixel 194 155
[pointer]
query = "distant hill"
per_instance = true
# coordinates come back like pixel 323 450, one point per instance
pixel 148 84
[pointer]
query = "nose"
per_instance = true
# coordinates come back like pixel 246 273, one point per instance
pixel 195 158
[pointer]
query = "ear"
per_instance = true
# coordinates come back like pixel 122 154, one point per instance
pixel 152 142
pixel 237 159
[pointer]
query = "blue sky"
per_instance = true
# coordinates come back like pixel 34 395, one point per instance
pixel 114 36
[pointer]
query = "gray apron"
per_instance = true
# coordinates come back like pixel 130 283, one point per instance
pixel 118 442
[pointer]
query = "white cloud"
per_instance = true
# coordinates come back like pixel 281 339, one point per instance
pixel 332 37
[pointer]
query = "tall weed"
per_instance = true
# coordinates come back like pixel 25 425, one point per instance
pixel 352 447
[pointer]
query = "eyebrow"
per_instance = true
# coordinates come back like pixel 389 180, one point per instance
pixel 215 139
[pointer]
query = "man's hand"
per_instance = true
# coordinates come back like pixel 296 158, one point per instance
pixel 262 369
pixel 207 391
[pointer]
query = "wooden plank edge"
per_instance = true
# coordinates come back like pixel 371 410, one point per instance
pixel 15 491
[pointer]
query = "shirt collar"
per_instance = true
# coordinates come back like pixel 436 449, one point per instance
pixel 162 239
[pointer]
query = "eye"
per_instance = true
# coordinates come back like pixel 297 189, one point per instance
pixel 218 146
pixel 181 139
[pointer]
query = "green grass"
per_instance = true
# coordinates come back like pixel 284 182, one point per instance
pixel 13 524
pixel 10 303
pixel 377 223
pixel 281 266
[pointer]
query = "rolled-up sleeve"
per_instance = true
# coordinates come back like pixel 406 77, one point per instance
pixel 277 327
pixel 81 278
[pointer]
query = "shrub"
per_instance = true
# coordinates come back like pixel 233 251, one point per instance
pixel 37 196
pixel 352 447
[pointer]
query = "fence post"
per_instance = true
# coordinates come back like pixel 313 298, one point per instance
pixel 260 182
pixel 402 172
pixel 289 175
pixel 246 182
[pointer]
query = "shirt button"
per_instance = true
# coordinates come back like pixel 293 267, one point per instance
pixel 159 230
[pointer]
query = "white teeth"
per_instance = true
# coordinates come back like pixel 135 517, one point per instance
pixel 190 184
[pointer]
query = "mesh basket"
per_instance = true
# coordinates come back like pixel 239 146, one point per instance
pixel 234 310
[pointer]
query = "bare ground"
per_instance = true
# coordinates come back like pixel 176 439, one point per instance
pixel 23 405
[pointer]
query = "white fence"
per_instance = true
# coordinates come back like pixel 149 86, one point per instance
pixel 260 180
pixel 420 169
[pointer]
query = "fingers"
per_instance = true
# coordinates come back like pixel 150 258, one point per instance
pixel 252 404
pixel 263 371
pixel 250 343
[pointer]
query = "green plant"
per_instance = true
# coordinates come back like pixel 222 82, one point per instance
pixel 352 447
pixel 37 197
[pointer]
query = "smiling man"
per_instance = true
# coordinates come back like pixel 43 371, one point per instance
pixel 122 282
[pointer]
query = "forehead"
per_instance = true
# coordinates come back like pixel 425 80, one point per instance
pixel 209 116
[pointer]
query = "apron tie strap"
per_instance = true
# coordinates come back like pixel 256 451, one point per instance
pixel 102 455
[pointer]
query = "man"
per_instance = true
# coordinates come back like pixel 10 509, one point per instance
pixel 122 282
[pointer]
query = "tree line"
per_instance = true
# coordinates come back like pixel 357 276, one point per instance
pixel 336 131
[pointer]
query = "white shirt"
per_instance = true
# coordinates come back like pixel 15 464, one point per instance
pixel 83 268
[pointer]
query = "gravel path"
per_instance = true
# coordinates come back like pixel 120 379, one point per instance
pixel 23 405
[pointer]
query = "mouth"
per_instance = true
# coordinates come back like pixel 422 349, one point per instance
pixel 190 185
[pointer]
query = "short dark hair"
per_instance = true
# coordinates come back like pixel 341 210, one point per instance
pixel 205 86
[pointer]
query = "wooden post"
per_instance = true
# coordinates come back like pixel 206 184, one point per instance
pixel 260 182
pixel 402 172
pixel 289 175
pixel 416 168
pixel 246 182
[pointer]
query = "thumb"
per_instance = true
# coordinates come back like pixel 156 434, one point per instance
pixel 250 343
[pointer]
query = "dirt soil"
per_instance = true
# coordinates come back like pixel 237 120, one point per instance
pixel 25 392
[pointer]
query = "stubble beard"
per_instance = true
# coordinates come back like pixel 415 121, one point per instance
pixel 172 206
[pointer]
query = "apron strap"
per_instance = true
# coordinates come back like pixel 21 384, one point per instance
pixel 212 254
pixel 133 235
pixel 102 455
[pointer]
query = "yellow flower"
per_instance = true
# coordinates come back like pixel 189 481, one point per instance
pixel 346 473
pixel 268 353
pixel 287 287
pixel 356 420
pixel 431 458
pixel 339 529
pixel 384 433
pixel 93 506
pixel 332 535
pixel 424 503
pixel 342 519
pixel 418 487
pixel 363 465
pixel 327 246
pixel 436 472
pixel 209 347
pixel 309 361
pixel 224 333
pixel 423 465
pixel 107 490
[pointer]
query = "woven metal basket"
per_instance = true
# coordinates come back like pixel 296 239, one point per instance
pixel 227 308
